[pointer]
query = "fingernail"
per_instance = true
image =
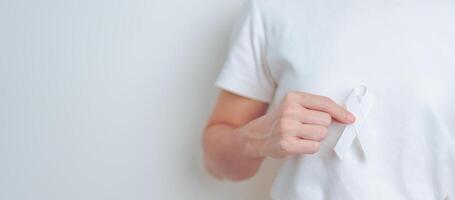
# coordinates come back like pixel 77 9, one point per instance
pixel 350 117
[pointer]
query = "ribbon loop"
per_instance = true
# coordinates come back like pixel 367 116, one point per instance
pixel 359 103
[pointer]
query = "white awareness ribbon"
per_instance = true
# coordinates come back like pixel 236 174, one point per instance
pixel 359 103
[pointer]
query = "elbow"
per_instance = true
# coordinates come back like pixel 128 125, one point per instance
pixel 227 173
pixel 242 176
pixel 226 163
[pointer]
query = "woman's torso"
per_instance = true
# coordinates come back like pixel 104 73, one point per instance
pixel 404 52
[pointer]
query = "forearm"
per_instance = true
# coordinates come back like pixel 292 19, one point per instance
pixel 228 152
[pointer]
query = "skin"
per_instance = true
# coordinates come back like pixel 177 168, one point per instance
pixel 240 134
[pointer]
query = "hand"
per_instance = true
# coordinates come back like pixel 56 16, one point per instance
pixel 296 126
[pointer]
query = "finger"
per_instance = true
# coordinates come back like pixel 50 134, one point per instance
pixel 315 117
pixel 325 104
pixel 307 116
pixel 299 146
pixel 311 132
pixel 295 129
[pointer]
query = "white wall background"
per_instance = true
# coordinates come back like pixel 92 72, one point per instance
pixel 106 99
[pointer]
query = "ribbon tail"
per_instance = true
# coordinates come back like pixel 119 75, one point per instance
pixel 363 129
pixel 345 141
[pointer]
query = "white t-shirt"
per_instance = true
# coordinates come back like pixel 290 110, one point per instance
pixel 403 51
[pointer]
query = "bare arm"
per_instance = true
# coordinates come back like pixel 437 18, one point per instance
pixel 239 135
pixel 225 155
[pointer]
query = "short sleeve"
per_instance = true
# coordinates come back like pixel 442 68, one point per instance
pixel 245 71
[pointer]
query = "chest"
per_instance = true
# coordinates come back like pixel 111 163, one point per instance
pixel 392 48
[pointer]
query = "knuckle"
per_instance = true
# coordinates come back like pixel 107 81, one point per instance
pixel 284 125
pixel 287 110
pixel 322 133
pixel 291 96
pixel 313 147
pixel 284 146
pixel 326 119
